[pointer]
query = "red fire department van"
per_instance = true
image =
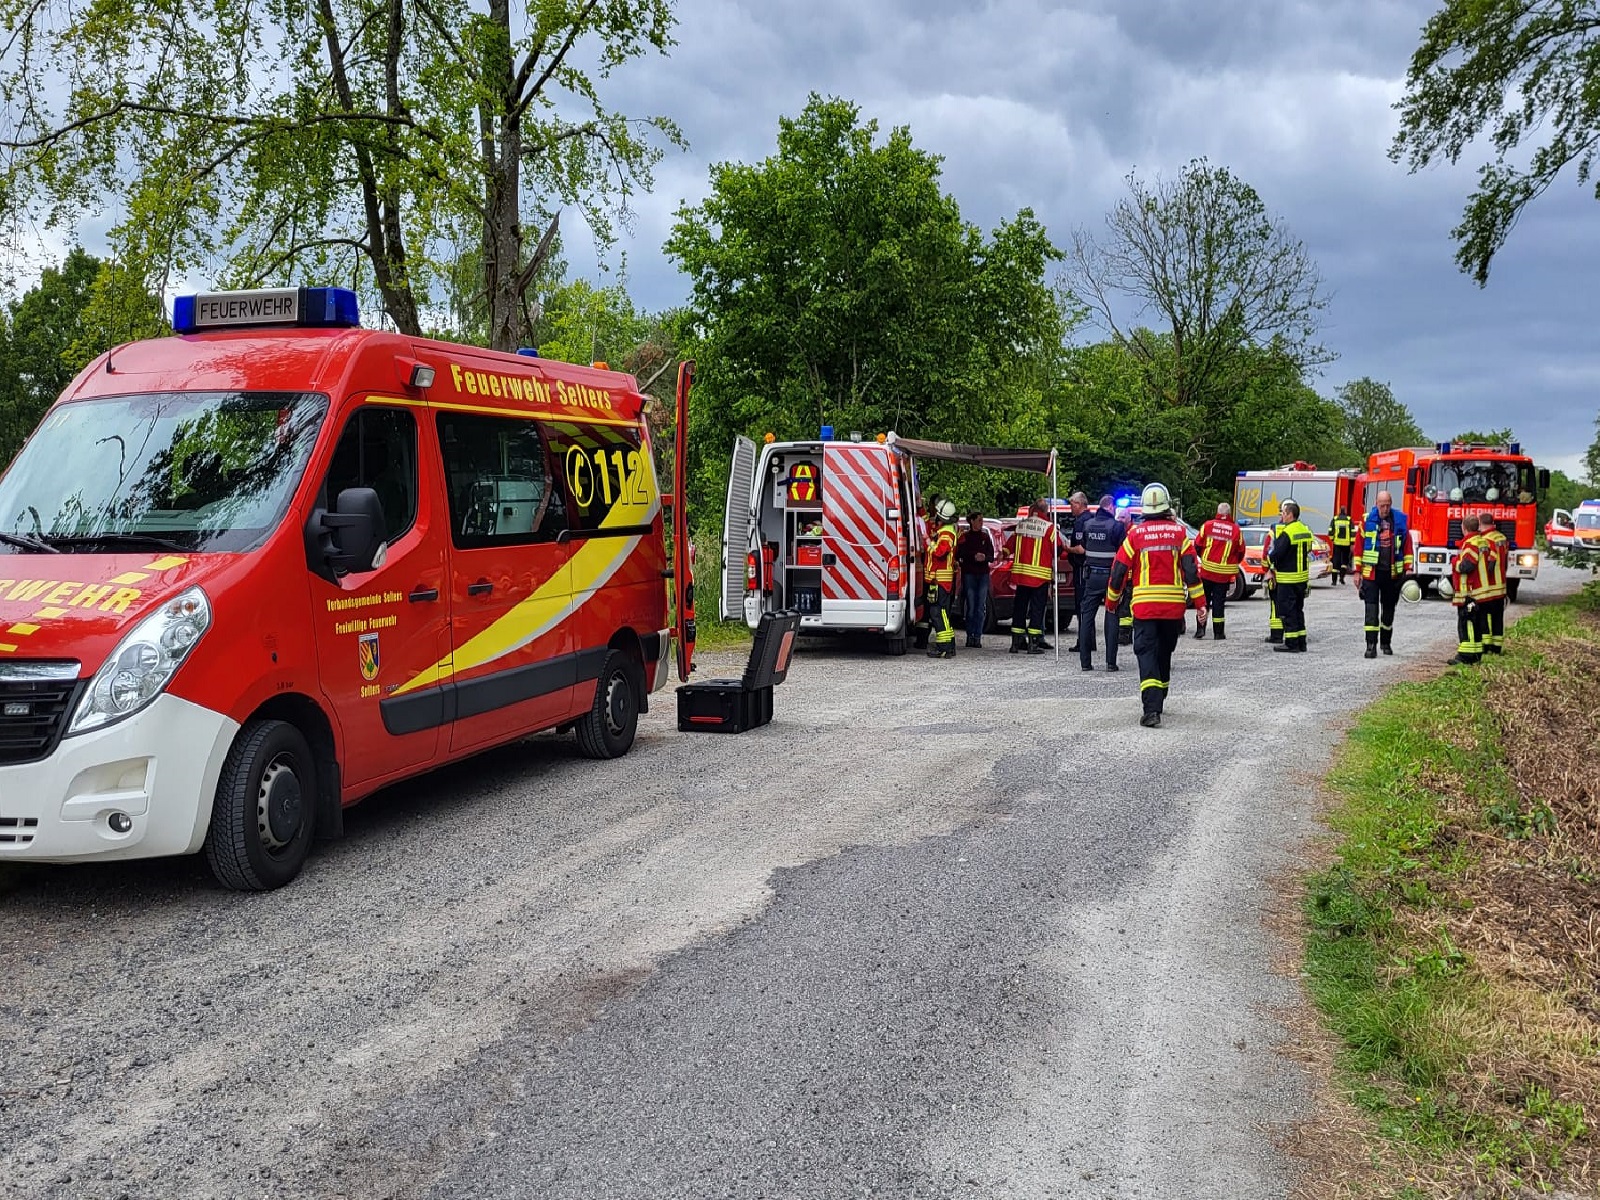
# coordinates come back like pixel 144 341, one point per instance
pixel 826 527
pixel 1436 486
pixel 262 568
pixel 1258 495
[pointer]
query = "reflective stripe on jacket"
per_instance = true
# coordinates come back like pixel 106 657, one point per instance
pixel 1401 563
pixel 1489 582
pixel 1291 552
pixel 1158 559
pixel 1342 532
pixel 1220 548
pixel 942 556
pixel 1034 552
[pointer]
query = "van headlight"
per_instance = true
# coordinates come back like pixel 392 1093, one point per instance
pixel 1527 560
pixel 143 663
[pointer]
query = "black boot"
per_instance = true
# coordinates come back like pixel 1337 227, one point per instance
pixel 1151 720
pixel 1019 641
pixel 1040 644
pixel 1219 634
pixel 1372 652
pixel 1199 631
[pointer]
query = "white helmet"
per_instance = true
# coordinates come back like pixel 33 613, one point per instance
pixel 1154 501
pixel 1492 495
pixel 1411 591
pixel 945 509
pixel 1455 495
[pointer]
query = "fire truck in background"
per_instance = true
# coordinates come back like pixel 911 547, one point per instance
pixel 1437 486
pixel 1320 495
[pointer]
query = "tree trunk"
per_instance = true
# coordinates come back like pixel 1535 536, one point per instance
pixel 500 133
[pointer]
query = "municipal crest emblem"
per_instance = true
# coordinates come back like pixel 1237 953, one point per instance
pixel 367 652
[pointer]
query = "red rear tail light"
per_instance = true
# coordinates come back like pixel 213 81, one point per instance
pixel 894 578
pixel 752 572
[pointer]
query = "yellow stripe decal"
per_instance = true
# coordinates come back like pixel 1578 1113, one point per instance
pixel 494 411
pixel 23 629
pixel 131 577
pixel 595 562
pixel 169 561
pixel 49 614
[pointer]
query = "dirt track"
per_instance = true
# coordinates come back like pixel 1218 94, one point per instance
pixel 942 929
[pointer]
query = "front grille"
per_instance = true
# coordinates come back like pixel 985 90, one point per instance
pixel 17 831
pixel 1508 529
pixel 33 714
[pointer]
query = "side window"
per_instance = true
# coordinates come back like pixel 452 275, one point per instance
pixel 499 480
pixel 378 449
pixel 603 468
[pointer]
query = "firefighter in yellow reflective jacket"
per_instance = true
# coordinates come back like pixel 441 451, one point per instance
pixel 1033 569
pixel 1291 570
pixel 1469 578
pixel 941 577
pixel 1270 586
pixel 1493 605
pixel 1342 536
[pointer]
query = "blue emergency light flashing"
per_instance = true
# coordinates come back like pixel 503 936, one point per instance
pixel 528 351
pixel 827 433
pixel 306 307
pixel 1451 447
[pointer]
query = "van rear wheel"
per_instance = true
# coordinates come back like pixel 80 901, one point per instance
pixel 608 728
pixel 265 810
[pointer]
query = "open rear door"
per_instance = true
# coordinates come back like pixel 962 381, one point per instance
pixel 736 528
pixel 683 548
pixel 857 534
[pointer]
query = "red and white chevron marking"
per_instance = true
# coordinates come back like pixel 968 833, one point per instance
pixel 856 495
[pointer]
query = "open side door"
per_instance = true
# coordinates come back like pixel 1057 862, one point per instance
pixel 736 517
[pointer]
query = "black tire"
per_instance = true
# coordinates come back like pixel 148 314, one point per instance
pixel 1511 589
pixel 1239 589
pixel 895 646
pixel 264 815
pixel 608 728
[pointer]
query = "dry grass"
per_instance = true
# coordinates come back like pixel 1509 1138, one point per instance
pixel 1482 967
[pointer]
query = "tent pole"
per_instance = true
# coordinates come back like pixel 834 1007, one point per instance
pixel 1055 600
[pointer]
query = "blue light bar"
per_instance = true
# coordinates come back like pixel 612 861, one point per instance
pixel 307 307
pixel 1444 447
pixel 1515 448
pixel 827 433
pixel 528 351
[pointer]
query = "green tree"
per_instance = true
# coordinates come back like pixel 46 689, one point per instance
pixel 1493 437
pixel 1563 492
pixel 1226 280
pixel 363 140
pixel 73 313
pixel 583 323
pixel 1591 460
pixel 836 283
pixel 1374 420
pixel 1525 75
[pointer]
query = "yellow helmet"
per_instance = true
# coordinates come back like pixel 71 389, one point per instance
pixel 1154 500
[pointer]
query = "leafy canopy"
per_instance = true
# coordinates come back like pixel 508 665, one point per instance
pixel 836 283
pixel 1374 420
pixel 1527 74
pixel 324 140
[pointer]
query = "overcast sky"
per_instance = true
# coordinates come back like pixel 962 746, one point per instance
pixel 1050 105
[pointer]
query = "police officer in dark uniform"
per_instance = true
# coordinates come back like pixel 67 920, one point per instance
pixel 1078 507
pixel 1100 533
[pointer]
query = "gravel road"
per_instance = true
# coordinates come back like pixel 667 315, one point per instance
pixel 942 929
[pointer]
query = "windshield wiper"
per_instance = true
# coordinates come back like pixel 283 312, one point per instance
pixel 26 541
pixel 144 540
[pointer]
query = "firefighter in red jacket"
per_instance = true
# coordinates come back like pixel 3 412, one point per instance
pixel 942 580
pixel 1471 576
pixel 1157 563
pixel 1033 569
pixel 1220 550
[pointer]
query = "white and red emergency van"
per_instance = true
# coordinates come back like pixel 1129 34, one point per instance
pixel 827 527
pixel 255 571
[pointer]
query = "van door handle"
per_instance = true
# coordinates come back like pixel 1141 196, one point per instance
pixel 482 588
pixel 422 593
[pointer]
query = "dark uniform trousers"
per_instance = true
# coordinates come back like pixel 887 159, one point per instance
pixel 1380 596
pixel 1027 609
pixel 1292 612
pixel 1274 615
pixel 1494 625
pixel 1153 644
pixel 1091 600
pixel 944 633
pixel 1216 598
pixel 1470 625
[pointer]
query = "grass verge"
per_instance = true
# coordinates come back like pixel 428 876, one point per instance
pixel 1453 945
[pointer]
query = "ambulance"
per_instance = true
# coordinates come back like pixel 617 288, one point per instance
pixel 257 570
pixel 829 527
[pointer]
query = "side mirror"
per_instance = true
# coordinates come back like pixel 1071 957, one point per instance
pixel 351 538
pixel 1544 479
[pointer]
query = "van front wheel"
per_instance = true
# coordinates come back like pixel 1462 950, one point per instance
pixel 265 810
pixel 608 728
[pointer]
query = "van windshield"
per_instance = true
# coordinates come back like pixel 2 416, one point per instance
pixel 182 470
pixel 1587 520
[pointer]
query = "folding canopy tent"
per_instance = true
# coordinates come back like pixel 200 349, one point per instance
pixel 1041 462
